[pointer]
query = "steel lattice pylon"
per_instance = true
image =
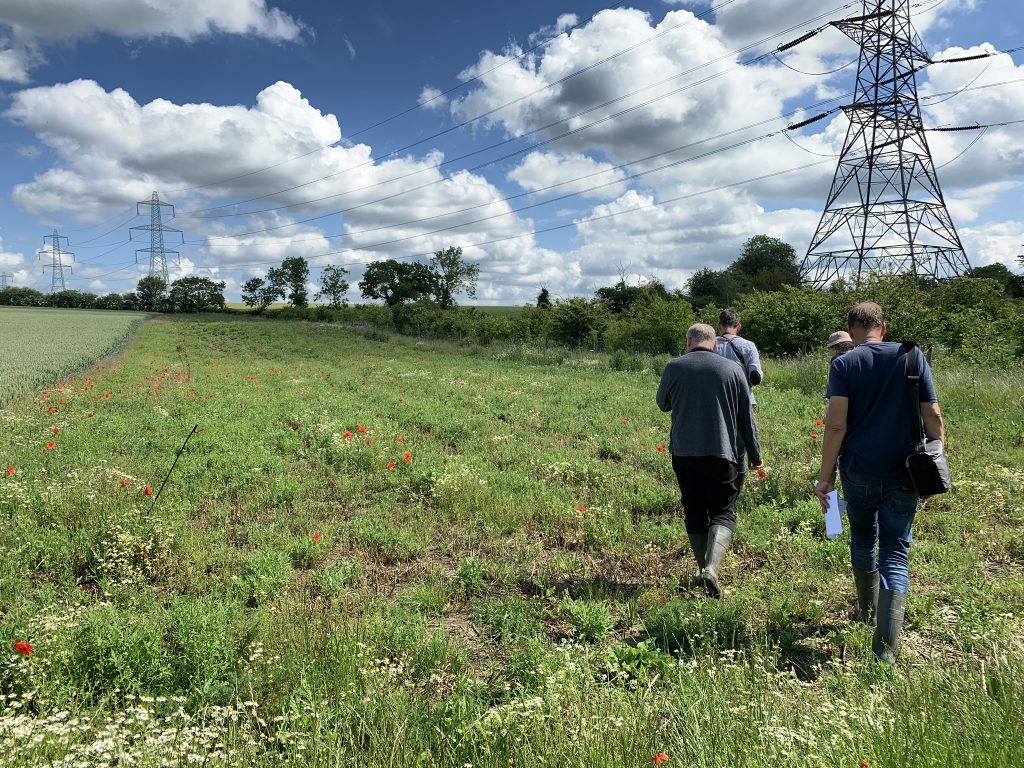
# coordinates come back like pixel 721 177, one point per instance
pixel 157 252
pixel 56 265
pixel 885 212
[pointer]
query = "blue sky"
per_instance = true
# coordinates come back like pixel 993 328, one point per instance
pixel 104 101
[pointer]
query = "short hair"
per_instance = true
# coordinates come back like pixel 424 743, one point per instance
pixel 729 318
pixel 701 333
pixel 866 314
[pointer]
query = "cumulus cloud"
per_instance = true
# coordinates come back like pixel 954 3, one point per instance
pixel 557 174
pixel 33 24
pixel 15 266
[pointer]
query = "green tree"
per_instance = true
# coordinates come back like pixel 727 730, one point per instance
pixel 791 321
pixel 15 296
pixel 294 275
pixel 195 294
pixel 150 293
pixel 110 301
pixel 620 297
pixel 655 325
pixel 261 294
pixel 718 287
pixel 579 321
pixel 333 285
pixel 767 264
pixel 395 282
pixel 1012 284
pixel 454 276
pixel 71 299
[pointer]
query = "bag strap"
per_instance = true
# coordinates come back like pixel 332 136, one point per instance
pixel 736 351
pixel 914 378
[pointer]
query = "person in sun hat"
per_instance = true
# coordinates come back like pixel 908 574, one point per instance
pixel 712 424
pixel 839 343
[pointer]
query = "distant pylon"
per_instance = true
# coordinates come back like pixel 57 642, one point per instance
pixel 157 252
pixel 56 265
pixel 885 212
pixel 5 277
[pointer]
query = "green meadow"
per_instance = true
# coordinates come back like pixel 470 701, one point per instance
pixel 404 553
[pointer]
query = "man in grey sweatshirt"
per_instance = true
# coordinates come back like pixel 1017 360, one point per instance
pixel 713 426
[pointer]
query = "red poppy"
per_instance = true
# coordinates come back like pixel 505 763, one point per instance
pixel 51 445
pixel 819 423
pixel 51 409
pixel 624 421
pixel 149 490
pixel 661 449
pixel 106 395
pixel 56 430
pixel 761 473
pixel 401 399
pixel 814 437
pixel 123 483
pixel 865 764
pixel 391 465
pixel 347 435
pixel 579 509
pixel 401 439
pixel 23 648
pixel 360 429
pixel 407 458
pixel 11 470
pixel 88 415
pixel 659 758
pixel 316 537
pixel 368 441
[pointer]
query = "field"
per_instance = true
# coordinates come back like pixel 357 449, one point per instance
pixel 43 345
pixel 402 553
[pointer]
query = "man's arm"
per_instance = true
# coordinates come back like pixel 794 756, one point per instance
pixel 756 375
pixel 835 431
pixel 748 427
pixel 933 425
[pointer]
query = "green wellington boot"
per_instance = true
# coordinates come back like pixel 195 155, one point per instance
pixel 891 609
pixel 867 596
pixel 719 539
pixel 699 545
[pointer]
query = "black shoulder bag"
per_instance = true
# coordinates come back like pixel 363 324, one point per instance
pixel 927 464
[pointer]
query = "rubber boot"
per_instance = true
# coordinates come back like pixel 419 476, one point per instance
pixel 699 545
pixel 891 609
pixel 867 596
pixel 719 539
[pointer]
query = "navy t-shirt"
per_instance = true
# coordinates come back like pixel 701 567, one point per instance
pixel 882 422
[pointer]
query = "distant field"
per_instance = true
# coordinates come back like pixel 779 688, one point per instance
pixel 41 345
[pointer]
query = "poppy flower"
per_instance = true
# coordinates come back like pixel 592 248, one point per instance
pixel 368 441
pixel 624 421
pixel 11 470
pixel 819 423
pixel 391 465
pixel 23 648
pixel 401 439
pixel 407 458
pixel 814 437
pixel 865 764
pixel 56 430
pixel 122 483
pixel 579 509
pixel 661 449
pixel 659 758
pixel 316 537
pixel 51 409
pixel 360 429
pixel 88 415
pixel 761 473
pixel 51 445
pixel 347 435
pixel 149 490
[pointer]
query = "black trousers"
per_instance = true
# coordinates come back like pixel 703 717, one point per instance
pixel 709 487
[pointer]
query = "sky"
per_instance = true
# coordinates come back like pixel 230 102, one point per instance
pixel 562 144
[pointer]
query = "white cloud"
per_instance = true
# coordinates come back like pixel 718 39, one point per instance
pixel 16 266
pixel 432 98
pixel 573 172
pixel 37 22
pixel 995 243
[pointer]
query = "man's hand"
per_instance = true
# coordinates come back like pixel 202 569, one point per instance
pixel 822 489
pixel 751 464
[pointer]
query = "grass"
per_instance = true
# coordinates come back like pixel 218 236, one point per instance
pixel 517 592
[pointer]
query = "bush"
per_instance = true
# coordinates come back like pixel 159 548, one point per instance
pixel 654 326
pixel 791 321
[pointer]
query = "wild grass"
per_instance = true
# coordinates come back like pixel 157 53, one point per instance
pixel 514 590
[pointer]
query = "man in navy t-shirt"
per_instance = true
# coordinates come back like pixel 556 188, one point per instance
pixel 873 419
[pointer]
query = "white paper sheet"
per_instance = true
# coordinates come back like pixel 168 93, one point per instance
pixel 834 516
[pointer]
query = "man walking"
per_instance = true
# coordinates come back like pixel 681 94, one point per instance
pixel 873 419
pixel 731 345
pixel 712 422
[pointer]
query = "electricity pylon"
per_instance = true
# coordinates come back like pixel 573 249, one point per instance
pixel 5 277
pixel 157 252
pixel 885 212
pixel 56 265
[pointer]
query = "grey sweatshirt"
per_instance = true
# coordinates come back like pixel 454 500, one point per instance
pixel 711 407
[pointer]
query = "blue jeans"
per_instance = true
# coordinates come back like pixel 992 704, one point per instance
pixel 881 513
